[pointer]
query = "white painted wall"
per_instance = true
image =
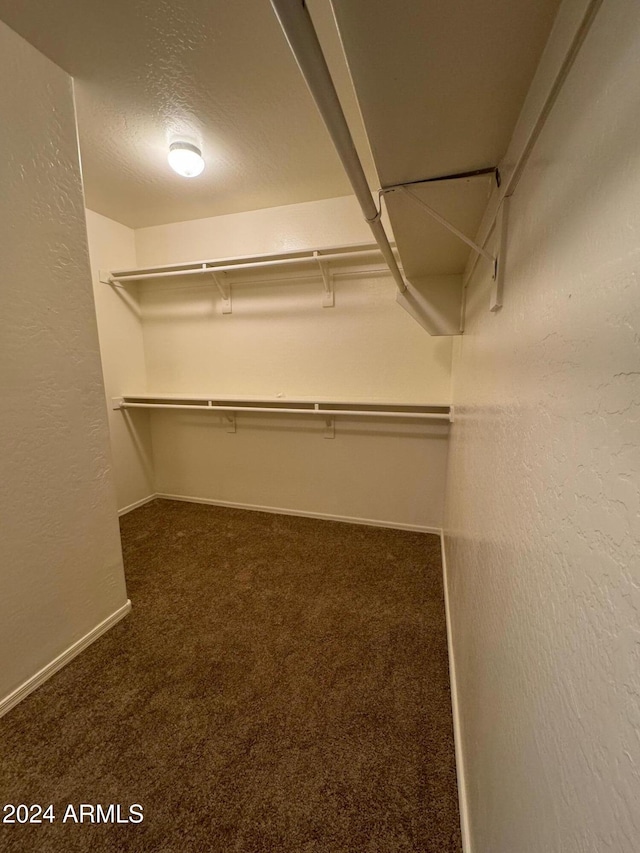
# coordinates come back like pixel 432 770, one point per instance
pixel 280 340
pixel 112 245
pixel 543 513
pixel 60 553
pixel 331 222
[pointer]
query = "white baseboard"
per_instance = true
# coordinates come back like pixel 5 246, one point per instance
pixel 457 732
pixel 369 522
pixel 57 663
pixel 136 504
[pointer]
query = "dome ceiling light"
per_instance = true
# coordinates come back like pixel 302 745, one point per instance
pixel 185 159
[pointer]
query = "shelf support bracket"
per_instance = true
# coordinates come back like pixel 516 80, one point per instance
pixel 224 289
pixel 230 421
pixel 403 188
pixel 328 299
pixel 495 300
pixel 330 428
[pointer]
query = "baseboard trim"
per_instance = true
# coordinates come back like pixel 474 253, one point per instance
pixel 57 663
pixel 369 522
pixel 136 504
pixel 457 730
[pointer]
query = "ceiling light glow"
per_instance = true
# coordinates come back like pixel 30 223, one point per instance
pixel 185 159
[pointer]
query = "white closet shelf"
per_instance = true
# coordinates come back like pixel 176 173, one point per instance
pixel 322 261
pixel 280 405
pixel 318 257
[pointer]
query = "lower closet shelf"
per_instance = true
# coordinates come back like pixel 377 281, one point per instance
pixel 327 408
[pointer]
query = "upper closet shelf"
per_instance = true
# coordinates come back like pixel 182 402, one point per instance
pixel 321 261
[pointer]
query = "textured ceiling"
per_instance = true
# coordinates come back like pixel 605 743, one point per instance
pixel 439 83
pixel 151 70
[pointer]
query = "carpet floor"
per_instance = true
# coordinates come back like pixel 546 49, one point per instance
pixel 280 686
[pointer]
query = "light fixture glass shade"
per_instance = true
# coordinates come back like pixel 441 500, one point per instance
pixel 185 159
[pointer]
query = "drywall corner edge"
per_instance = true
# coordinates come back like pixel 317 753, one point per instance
pixel 62 659
pixel 457 732
pixel 136 504
pixel 434 301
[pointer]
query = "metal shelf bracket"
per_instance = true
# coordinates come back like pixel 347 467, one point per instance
pixel 404 188
pixel 497 291
pixel 224 288
pixel 328 300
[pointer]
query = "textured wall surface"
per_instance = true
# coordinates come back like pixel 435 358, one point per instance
pixel 112 245
pixel 280 340
pixel 60 559
pixel 330 222
pixel 372 470
pixel 543 494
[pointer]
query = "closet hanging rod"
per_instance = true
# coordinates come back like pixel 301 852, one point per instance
pixel 300 33
pixel 208 267
pixel 440 416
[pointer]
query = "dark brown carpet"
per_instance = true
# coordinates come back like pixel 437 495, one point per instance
pixel 281 686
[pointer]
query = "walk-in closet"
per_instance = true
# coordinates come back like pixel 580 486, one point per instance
pixel 320 457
